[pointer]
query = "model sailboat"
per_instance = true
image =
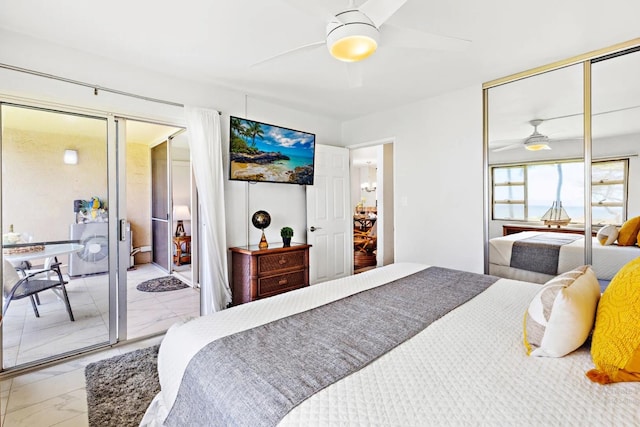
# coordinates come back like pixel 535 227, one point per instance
pixel 556 215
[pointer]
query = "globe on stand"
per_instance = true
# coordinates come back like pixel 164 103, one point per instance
pixel 261 220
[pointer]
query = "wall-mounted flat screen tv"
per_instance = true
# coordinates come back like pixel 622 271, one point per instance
pixel 262 152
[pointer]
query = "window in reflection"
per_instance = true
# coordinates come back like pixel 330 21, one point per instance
pixel 509 193
pixel 526 192
pixel 608 192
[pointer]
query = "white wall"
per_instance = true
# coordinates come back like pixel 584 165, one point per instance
pixel 285 203
pixel 438 176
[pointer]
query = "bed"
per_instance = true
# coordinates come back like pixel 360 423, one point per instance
pixel 607 260
pixel 467 367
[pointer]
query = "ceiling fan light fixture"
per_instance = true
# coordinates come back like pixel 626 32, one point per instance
pixel 353 48
pixel 352 37
pixel 537 141
pixel 537 147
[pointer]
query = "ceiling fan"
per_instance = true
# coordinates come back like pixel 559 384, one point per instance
pixel 538 141
pixel 355 33
pixel 534 142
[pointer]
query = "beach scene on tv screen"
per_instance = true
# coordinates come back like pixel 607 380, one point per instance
pixel 263 152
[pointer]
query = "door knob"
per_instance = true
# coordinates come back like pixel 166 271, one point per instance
pixel 312 228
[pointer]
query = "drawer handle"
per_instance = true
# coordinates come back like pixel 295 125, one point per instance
pixel 282 282
pixel 282 261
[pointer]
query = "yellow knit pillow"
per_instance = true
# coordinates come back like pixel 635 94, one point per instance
pixel 615 347
pixel 628 234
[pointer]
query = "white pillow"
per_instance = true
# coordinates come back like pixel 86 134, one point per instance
pixel 9 276
pixel 561 315
pixel 607 235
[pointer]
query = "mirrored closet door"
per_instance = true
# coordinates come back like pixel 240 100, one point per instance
pixel 536 173
pixel 556 176
pixel 615 175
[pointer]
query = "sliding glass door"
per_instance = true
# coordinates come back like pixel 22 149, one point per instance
pixel 58 233
pixel 78 209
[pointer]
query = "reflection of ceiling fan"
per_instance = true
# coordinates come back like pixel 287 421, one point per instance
pixel 354 34
pixel 538 141
pixel 534 142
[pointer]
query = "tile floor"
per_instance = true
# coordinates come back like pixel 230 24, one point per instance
pixel 55 396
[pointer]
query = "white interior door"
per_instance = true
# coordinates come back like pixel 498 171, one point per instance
pixel 329 219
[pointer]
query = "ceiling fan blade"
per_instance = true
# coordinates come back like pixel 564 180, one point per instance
pixel 414 39
pixel 309 46
pixel 503 142
pixel 632 107
pixel 508 147
pixel 556 140
pixel 355 74
pixel 380 10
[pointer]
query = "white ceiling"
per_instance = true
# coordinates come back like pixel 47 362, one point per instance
pixel 217 41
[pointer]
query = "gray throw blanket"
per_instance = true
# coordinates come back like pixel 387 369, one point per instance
pixel 540 253
pixel 255 377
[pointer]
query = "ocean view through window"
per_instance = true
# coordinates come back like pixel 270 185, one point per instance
pixel 525 192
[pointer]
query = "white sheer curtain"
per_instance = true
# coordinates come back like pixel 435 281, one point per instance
pixel 205 142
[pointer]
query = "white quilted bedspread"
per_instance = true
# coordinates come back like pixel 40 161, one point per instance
pixel 469 367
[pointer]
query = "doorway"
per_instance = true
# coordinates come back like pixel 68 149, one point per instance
pixel 372 201
pixel 182 194
pixel 160 289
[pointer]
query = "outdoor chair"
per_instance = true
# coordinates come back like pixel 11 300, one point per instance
pixel 31 284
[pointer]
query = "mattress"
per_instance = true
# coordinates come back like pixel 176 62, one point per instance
pixel 606 260
pixel 468 367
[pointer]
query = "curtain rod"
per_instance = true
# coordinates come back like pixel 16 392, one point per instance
pixel 95 88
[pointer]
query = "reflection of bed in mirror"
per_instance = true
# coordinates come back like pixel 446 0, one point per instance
pixel 607 260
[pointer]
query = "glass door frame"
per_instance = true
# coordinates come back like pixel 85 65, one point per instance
pixel 119 227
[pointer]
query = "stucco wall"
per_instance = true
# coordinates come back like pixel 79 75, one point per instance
pixel 38 189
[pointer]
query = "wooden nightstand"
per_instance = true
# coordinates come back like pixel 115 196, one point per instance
pixel 515 228
pixel 259 273
pixel 182 257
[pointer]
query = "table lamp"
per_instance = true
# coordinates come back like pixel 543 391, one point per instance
pixel 181 213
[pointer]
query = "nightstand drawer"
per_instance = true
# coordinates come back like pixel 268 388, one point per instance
pixel 259 273
pixel 282 282
pixel 281 261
